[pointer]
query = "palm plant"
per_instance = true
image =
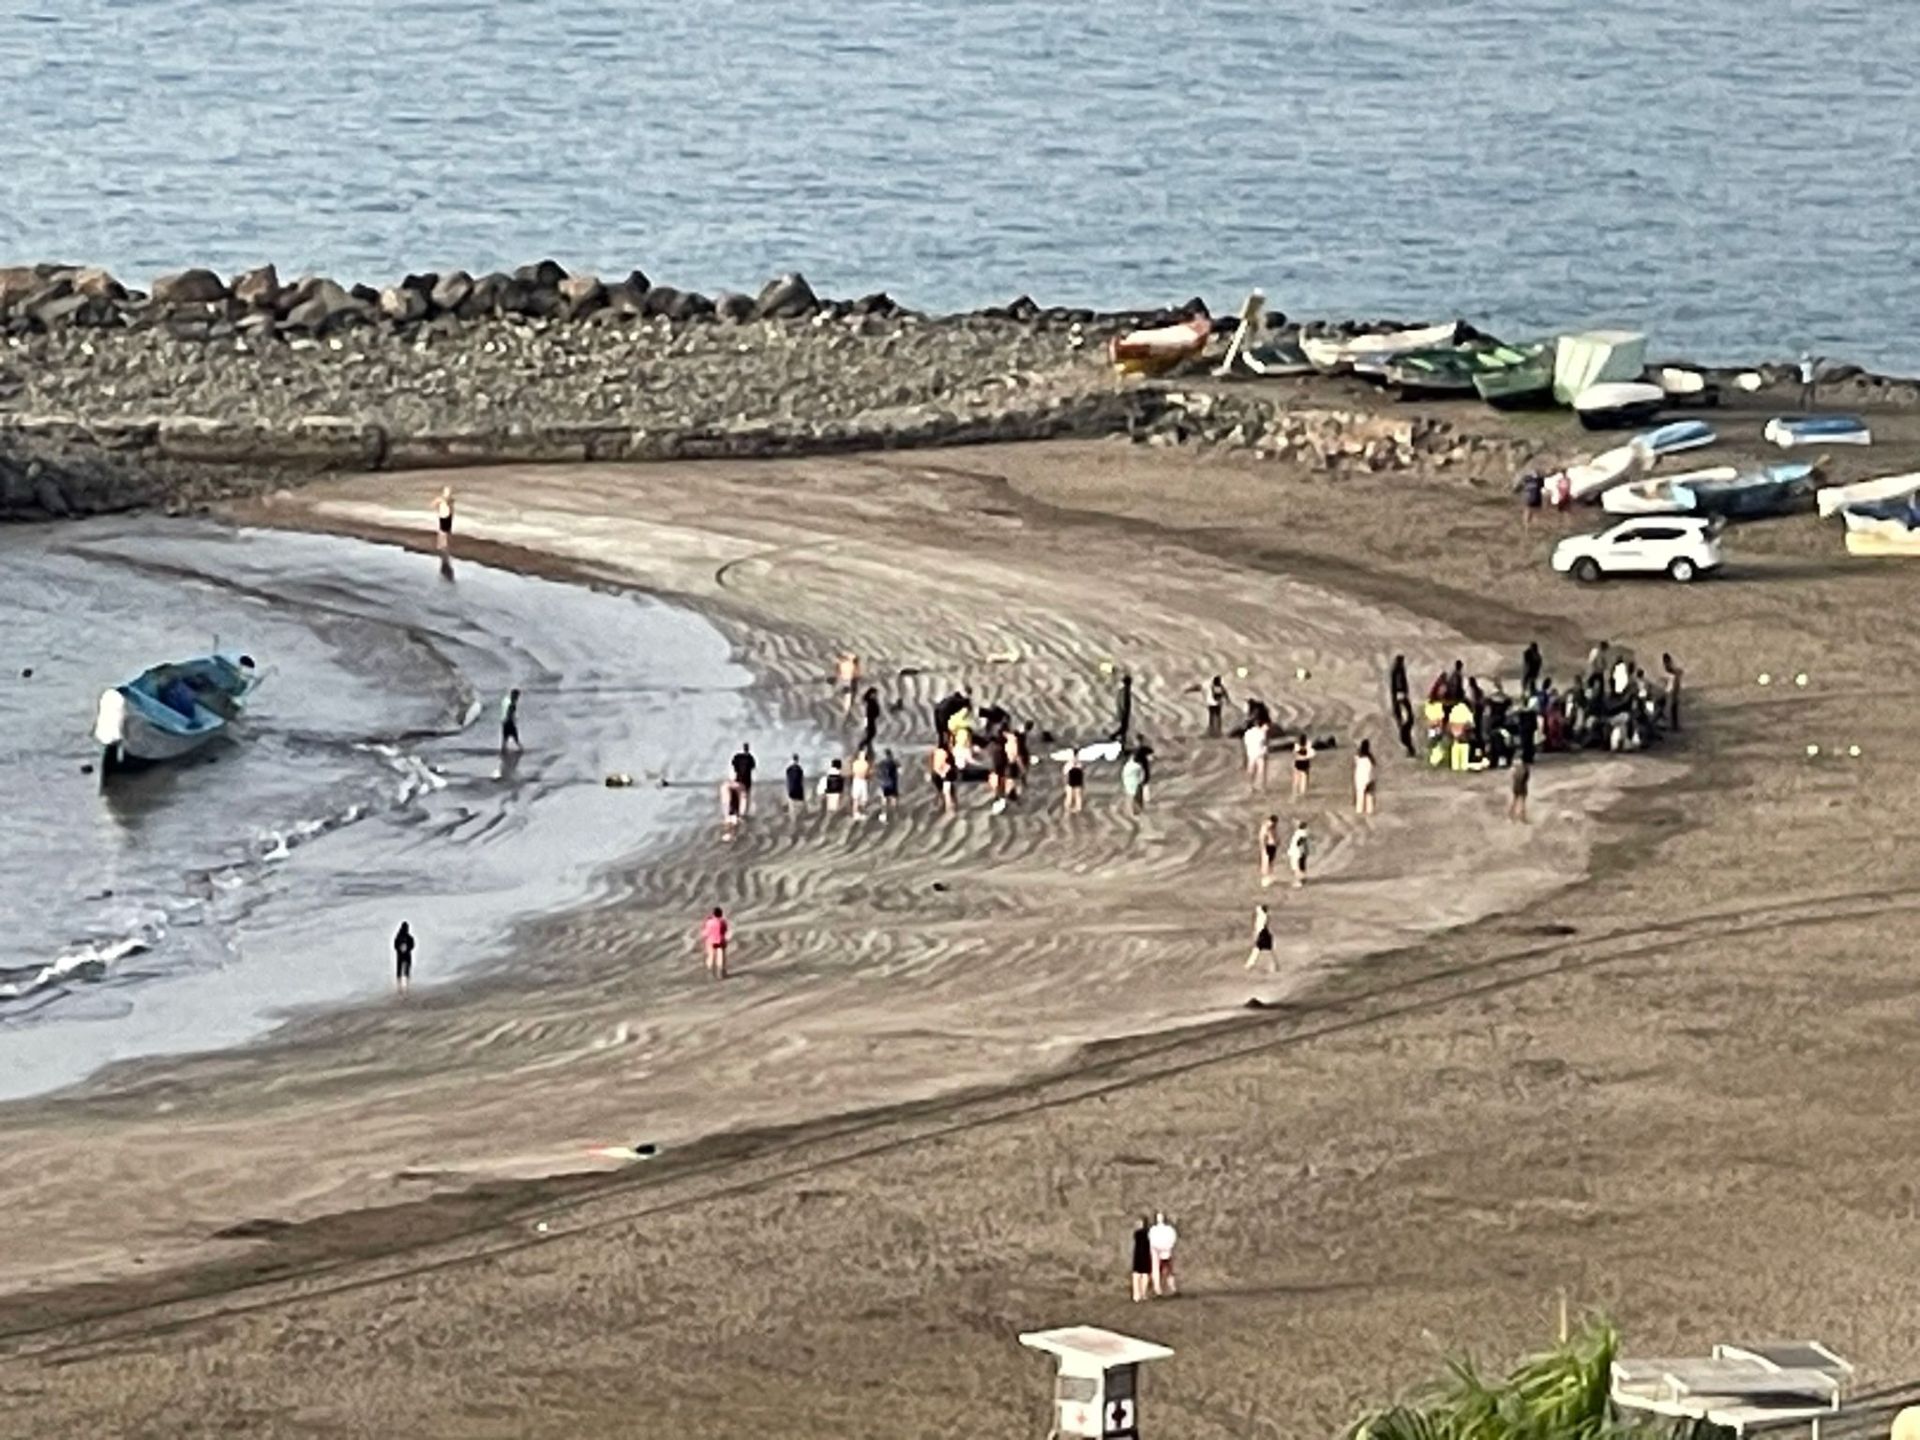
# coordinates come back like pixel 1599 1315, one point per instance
pixel 1559 1394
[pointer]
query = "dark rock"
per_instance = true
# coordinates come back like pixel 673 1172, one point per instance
pixel 787 298
pixel 1021 308
pixel 258 289
pixel 638 280
pixel 878 303
pixel 422 283
pixel 731 305
pixel 365 294
pixel 624 299
pixel 451 291
pixel 546 274
pixel 188 287
pixel 326 307
pixel 403 303
pixel 661 300
pixel 581 294
pixel 485 296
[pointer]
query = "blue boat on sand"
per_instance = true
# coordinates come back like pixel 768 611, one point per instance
pixel 171 710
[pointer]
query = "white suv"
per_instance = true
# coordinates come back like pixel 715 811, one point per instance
pixel 1681 547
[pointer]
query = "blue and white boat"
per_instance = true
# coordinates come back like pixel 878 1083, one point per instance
pixel 1672 439
pixel 172 710
pixel 1786 431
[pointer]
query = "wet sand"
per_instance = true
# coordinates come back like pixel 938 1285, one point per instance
pixel 1644 1087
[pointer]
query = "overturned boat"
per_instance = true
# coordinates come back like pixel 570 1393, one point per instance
pixel 1615 405
pixel 1889 526
pixel 1159 348
pixel 1787 431
pixel 1673 438
pixel 1720 491
pixel 171 710
pixel 1593 479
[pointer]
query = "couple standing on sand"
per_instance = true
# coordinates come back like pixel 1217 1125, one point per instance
pixel 1153 1242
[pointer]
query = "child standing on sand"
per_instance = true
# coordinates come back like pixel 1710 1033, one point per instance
pixel 715 933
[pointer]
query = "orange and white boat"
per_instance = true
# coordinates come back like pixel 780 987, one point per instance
pixel 1157 350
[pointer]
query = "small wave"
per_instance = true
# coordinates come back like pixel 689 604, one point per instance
pixel 90 962
pixel 417 777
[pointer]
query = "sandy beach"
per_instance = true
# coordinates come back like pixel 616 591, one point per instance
pixel 1648 1050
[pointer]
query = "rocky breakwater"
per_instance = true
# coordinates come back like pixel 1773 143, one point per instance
pixel 112 398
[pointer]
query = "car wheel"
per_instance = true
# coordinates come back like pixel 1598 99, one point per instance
pixel 1586 570
pixel 1682 570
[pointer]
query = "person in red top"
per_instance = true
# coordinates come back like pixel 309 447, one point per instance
pixel 715 931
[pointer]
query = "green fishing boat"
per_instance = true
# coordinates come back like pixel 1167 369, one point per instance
pixel 1513 377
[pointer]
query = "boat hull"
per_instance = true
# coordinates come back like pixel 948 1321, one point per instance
pixel 170 711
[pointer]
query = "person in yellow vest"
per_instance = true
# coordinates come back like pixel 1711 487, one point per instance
pixel 1434 712
pixel 1460 731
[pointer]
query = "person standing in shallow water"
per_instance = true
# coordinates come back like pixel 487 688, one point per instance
pixel 403 958
pixel 1398 691
pixel 1262 939
pixel 715 935
pixel 1216 706
pixel 1522 782
pixel 443 517
pixel 743 764
pixel 796 787
pixel 510 721
pixel 1298 846
pixel 1269 848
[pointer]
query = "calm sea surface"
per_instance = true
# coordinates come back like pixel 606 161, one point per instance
pixel 1738 178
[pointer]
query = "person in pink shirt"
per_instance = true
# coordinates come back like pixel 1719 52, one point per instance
pixel 715 931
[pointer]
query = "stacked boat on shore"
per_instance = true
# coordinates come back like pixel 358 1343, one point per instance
pixel 1882 515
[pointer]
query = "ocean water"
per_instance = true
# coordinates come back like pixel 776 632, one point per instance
pixel 193 905
pixel 1736 178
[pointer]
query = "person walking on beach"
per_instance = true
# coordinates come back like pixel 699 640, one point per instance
pixel 1262 950
pixel 1254 737
pixel 1074 776
pixel 1522 782
pixel 1670 702
pixel 510 721
pixel 403 958
pixel 1216 706
pixel 715 933
pixel 743 764
pixel 833 786
pixel 1142 1260
pixel 870 712
pixel 1531 665
pixel 1809 382
pixel 731 802
pixel 1302 764
pixel 847 674
pixel 1133 782
pixel 1123 710
pixel 796 787
pixel 887 772
pixel 1533 493
pixel 862 791
pixel 1363 779
pixel 443 515
pixel 1161 1238
pixel 1297 847
pixel 1269 848
pixel 1402 699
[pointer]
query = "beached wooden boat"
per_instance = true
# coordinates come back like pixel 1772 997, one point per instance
pixel 1835 498
pixel 1276 358
pixel 1158 349
pixel 1441 373
pixel 1722 491
pixel 1335 354
pixel 1672 439
pixel 1787 431
pixel 1515 377
pixel 1617 404
pixel 171 710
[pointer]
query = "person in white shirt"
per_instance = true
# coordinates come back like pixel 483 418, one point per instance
pixel 1363 802
pixel 1255 739
pixel 1161 1238
pixel 1297 850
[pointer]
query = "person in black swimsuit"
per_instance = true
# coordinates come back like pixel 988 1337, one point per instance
pixel 1142 1261
pixel 1262 939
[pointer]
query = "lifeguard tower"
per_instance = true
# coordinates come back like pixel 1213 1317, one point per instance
pixel 1096 1395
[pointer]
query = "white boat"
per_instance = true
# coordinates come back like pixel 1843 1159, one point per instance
pixel 1590 479
pixel 1336 353
pixel 1787 431
pixel 171 710
pixel 1618 403
pixel 1667 495
pixel 1686 387
pixel 1836 498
